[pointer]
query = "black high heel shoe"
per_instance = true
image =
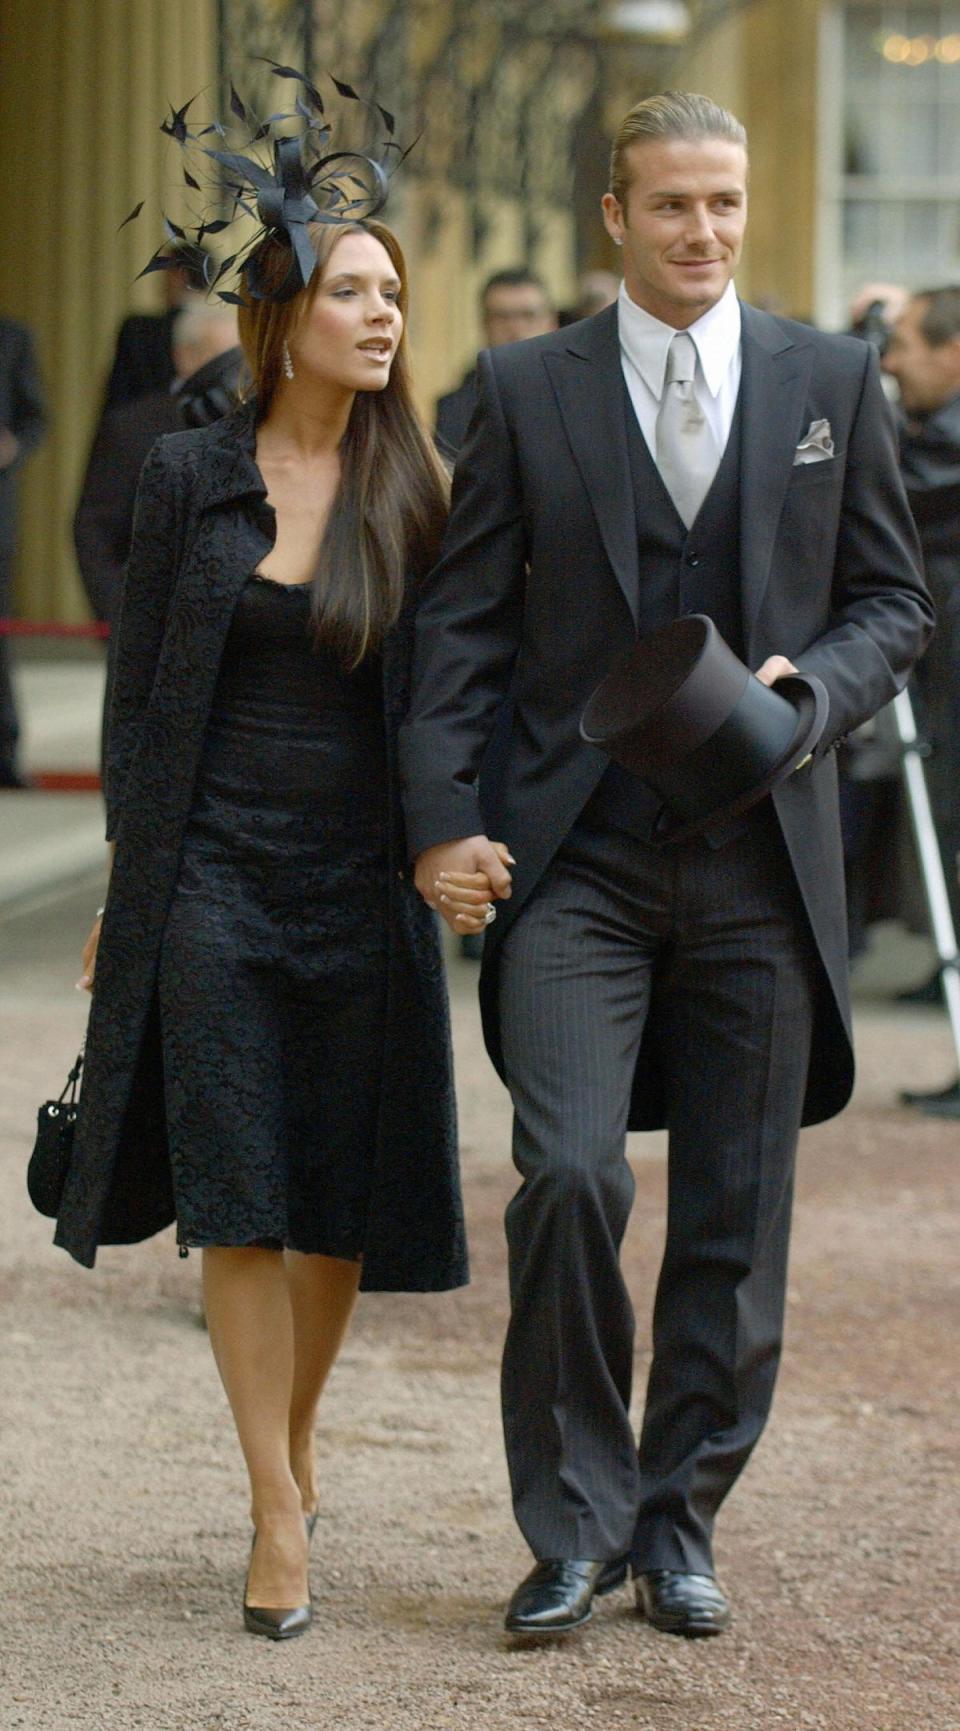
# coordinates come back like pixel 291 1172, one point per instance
pixel 275 1622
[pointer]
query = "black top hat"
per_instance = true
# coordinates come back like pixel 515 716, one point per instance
pixel 685 715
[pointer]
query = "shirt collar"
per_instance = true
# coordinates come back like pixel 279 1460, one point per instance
pixel 645 340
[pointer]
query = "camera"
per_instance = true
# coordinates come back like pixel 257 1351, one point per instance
pixel 873 327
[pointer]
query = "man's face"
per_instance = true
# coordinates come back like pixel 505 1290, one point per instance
pixel 512 312
pixel 682 225
pixel 928 373
pixel 177 287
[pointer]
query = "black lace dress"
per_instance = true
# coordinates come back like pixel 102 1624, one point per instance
pixel 274 957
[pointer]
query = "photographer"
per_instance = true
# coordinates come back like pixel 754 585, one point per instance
pixel 923 356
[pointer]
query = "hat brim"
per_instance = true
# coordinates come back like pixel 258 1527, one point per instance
pixel 808 694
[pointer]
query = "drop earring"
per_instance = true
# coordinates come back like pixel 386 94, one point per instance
pixel 287 362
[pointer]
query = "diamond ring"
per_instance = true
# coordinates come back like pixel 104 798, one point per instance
pixel 490 914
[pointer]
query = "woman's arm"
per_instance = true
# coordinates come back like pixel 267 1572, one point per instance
pixel 151 569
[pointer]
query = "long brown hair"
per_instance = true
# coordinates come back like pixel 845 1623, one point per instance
pixel 390 509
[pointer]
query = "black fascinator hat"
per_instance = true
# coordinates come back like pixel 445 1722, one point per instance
pixel 283 180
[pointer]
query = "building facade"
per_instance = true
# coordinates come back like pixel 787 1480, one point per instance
pixel 852 108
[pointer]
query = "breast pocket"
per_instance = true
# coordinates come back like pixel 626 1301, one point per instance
pixel 807 531
pixel 823 474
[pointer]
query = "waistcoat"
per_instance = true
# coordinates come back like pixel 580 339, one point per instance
pixel 695 570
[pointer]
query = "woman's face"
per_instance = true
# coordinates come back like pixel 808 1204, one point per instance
pixel 350 332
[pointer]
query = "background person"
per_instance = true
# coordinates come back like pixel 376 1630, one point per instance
pixel 871 803
pixel 875 308
pixel 923 356
pixel 103 524
pixel 23 423
pixel 678 453
pixel 514 304
pixel 143 355
pixel 596 289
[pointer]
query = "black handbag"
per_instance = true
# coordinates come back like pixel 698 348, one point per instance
pixel 53 1149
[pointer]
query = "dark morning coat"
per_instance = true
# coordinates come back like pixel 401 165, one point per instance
pixel 203 525
pixel 537 592
pixel 22 411
pixel 454 413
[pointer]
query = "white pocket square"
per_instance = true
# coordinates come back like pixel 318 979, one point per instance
pixel 816 444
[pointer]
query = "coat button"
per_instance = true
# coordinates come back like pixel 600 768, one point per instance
pixel 693 560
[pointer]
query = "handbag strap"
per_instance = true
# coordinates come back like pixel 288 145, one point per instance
pixel 73 1080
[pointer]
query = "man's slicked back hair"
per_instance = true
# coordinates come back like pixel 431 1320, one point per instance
pixel 671 114
pixel 515 276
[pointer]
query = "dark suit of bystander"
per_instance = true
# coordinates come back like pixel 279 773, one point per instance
pixel 22 426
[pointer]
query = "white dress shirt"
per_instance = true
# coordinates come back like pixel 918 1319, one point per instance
pixel 644 342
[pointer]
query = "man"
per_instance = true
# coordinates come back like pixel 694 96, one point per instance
pixel 143 356
pixel 596 289
pixel 202 336
pixel 677 453
pixel 923 355
pixel 22 426
pixel 103 523
pixel 513 304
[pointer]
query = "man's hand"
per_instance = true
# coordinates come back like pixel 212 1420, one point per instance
pixel 474 854
pixel 892 296
pixel 775 667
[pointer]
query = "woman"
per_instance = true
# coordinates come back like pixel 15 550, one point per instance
pixel 268 1054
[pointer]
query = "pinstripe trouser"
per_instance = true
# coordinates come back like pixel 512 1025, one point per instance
pixel 718 941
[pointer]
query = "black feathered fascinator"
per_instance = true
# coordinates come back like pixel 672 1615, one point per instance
pixel 305 182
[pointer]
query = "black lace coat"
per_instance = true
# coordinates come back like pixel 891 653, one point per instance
pixel 202 526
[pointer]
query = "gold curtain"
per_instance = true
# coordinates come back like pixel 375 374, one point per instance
pixel 763 62
pixel 83 87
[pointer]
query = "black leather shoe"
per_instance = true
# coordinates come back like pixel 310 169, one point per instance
pixel 558 1595
pixel 944 1103
pixel 682 1604
pixel 929 991
pixel 278 1623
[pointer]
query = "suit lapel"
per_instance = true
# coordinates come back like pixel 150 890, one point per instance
pixel 773 385
pixel 587 379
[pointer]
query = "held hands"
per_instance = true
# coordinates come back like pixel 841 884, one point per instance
pixel 462 880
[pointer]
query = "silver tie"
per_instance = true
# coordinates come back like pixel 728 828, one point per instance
pixel 687 454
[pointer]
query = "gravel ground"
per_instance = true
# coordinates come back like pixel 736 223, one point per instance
pixel 123 1499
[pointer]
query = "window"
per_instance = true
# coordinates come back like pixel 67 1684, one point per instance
pixel 890 149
